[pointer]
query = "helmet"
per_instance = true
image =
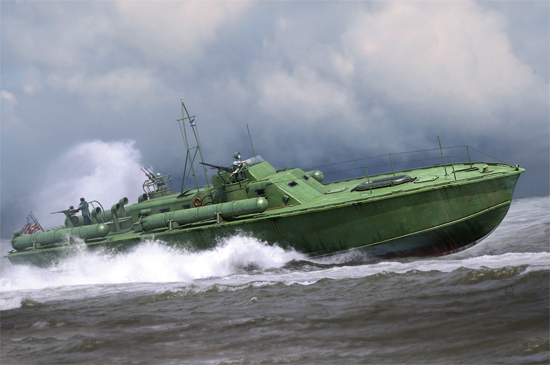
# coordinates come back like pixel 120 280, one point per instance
pixel 237 156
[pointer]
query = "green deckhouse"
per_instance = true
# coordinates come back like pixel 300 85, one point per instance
pixel 427 211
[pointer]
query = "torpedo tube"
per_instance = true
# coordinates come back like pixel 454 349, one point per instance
pixel 57 235
pixel 225 210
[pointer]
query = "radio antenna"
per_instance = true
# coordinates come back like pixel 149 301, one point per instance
pixel 253 154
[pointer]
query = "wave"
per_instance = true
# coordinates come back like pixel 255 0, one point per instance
pixel 518 246
pixel 152 262
pixel 237 263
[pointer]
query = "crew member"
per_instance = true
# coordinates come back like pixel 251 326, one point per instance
pixel 236 161
pixel 161 183
pixel 237 166
pixel 83 207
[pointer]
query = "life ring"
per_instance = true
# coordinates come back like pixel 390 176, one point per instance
pixel 197 201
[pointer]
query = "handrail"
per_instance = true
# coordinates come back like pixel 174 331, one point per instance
pixel 488 155
pixel 391 163
pixel 386 154
pixel 91 202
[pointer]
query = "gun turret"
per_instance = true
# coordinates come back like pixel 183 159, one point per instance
pixel 226 169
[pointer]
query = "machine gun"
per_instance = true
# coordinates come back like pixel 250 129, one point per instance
pixel 66 211
pixel 226 169
pixel 148 173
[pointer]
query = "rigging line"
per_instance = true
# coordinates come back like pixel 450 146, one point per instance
pixel 422 159
pixel 446 148
pixel 340 163
pixel 198 136
pixel 395 163
pixel 431 149
pixel 386 154
pixel 362 167
pixel 370 166
pixel 489 156
pixel 199 140
pixel 181 130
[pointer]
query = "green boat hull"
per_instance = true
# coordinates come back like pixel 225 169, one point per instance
pixel 426 223
pixel 416 220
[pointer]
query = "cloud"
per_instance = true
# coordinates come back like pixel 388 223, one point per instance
pixel 116 89
pixel 114 50
pixel 32 82
pixel 96 170
pixel 174 31
pixel 9 104
pixel 56 35
pixel 318 82
pixel 450 54
pixel 10 98
pixel 303 93
pixel 409 70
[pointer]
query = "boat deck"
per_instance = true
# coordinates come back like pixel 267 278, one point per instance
pixel 430 177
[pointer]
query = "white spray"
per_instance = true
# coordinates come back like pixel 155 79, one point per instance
pixel 96 170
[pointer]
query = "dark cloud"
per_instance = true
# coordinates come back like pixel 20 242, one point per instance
pixel 317 83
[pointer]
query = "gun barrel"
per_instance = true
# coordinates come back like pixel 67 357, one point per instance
pixel 226 169
pixel 148 173
pixel 64 211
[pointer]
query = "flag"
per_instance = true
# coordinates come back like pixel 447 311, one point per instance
pixel 31 226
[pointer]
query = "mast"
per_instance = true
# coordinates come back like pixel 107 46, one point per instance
pixel 192 151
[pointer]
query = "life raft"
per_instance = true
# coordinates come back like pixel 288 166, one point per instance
pixel 383 182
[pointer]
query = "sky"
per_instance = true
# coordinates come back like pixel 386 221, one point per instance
pixel 91 90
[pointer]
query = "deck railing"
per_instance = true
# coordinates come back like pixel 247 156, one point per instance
pixel 379 164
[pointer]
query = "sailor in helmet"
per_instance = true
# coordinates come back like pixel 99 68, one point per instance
pixel 237 166
pixel 161 183
pixel 236 161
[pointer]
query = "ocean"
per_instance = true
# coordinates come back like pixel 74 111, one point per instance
pixel 245 302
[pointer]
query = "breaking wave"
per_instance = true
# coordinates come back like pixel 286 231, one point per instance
pixel 235 264
pixel 151 262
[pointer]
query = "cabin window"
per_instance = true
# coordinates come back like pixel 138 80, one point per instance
pixel 165 210
pixel 305 177
pixel 186 206
pixel 292 184
pixel 261 192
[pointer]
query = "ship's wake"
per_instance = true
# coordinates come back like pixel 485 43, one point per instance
pixel 150 262
pixel 239 261
pixel 236 263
